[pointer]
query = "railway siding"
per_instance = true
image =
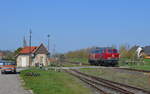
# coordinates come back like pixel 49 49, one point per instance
pixel 136 79
pixel 112 87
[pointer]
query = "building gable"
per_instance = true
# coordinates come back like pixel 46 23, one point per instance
pixel 41 50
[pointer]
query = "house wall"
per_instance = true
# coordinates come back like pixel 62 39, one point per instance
pixel 1 57
pixel 20 61
pixel 40 59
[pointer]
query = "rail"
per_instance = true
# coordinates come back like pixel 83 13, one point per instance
pixel 122 88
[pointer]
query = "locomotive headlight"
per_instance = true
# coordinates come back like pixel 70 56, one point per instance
pixel 109 57
pixel 113 55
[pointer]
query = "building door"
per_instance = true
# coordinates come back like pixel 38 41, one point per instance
pixel 24 62
pixel 41 60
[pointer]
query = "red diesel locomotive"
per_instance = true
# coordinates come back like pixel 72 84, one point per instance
pixel 104 56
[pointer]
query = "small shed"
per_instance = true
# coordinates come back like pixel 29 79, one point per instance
pixel 36 55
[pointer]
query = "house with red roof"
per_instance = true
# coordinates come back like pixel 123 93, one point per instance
pixel 36 55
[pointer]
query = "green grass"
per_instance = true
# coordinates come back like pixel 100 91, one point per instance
pixel 139 65
pixel 145 66
pixel 70 65
pixel 135 66
pixel 83 60
pixel 147 60
pixel 51 82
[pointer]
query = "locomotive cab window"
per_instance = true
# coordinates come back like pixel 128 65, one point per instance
pixel 115 51
pixel 110 51
pixel 97 51
pixel 100 51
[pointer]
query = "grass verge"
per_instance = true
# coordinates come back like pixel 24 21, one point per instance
pixel 50 82
pixel 142 67
pixel 83 60
pixel 138 65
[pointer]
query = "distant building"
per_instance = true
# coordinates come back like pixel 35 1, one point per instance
pixel 1 55
pixel 39 55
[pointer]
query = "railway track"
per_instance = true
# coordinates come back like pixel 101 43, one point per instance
pixel 106 86
pixel 89 82
pixel 78 63
pixel 136 70
pixel 128 69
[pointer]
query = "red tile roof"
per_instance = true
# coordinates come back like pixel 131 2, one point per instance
pixel 26 50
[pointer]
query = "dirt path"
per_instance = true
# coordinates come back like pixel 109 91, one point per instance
pixel 10 84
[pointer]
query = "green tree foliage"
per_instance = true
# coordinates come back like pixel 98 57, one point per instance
pixel 16 52
pixel 10 55
pixel 82 53
pixel 114 46
pixel 128 52
pixel 123 50
pixel 132 54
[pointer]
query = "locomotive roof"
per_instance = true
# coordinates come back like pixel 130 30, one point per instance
pixel 104 48
pixel 100 48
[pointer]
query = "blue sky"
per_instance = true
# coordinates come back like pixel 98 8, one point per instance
pixel 75 24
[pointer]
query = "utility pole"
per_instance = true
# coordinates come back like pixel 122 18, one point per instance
pixel 24 42
pixel 30 56
pixel 54 51
pixel 48 45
